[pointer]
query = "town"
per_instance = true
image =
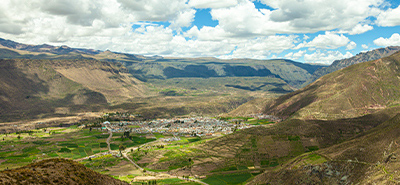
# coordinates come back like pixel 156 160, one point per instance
pixel 189 127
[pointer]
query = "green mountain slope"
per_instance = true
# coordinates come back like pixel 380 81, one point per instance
pixel 351 92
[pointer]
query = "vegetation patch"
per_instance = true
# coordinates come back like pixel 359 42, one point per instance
pixel 227 179
pixel 312 148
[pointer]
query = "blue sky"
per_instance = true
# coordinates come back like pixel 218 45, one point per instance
pixel 305 31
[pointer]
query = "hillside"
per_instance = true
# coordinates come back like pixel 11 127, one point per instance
pixel 351 92
pixel 55 171
pixel 36 88
pixel 361 57
pixel 293 73
pixel 263 148
pixel 144 68
pixel 369 158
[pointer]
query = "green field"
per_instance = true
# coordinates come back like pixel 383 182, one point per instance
pixel 228 179
pixel 174 181
pixel 72 143
pixel 259 122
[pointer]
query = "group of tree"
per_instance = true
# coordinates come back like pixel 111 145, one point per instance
pixel 151 182
pixel 121 147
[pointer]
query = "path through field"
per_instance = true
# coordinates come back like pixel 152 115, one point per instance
pixel 125 155
pixel 108 139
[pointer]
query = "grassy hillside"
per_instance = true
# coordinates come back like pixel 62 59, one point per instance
pixel 353 91
pixel 359 58
pixel 368 158
pixel 55 171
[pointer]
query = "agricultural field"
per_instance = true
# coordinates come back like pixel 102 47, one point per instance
pixel 229 179
pixel 173 181
pixel 173 155
pixel 18 149
pixel 259 122
pixel 227 159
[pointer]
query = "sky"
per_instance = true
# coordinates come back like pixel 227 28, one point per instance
pixel 310 31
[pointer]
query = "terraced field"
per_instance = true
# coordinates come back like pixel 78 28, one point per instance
pixel 19 149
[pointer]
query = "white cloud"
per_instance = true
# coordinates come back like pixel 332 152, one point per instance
pixel 310 15
pixel 212 3
pixel 364 46
pixel 325 57
pixel 351 45
pixel 184 19
pixel 262 47
pixel 394 40
pixel 295 56
pixel 244 20
pixel 359 29
pixel 208 33
pixel 327 41
pixel 242 30
pixel 153 10
pixel 391 17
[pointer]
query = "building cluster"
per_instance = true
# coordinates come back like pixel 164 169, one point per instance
pixel 196 126
pixel 192 126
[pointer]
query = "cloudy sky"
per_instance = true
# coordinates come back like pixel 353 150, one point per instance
pixel 313 31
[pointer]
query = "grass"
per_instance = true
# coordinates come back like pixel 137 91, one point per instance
pixel 312 148
pixel 232 118
pixel 229 168
pixel 99 164
pixel 259 122
pixel 228 179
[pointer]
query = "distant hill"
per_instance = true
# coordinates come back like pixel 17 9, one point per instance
pixel 357 90
pixel 361 57
pixel 58 50
pixel 157 67
pixel 31 88
pixel 56 171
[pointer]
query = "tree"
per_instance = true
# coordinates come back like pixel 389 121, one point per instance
pixel 121 147
pixel 126 134
pixel 19 137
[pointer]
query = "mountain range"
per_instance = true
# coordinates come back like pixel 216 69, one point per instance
pixel 341 128
pixel 142 67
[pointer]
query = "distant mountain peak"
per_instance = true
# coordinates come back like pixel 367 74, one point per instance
pixel 359 58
